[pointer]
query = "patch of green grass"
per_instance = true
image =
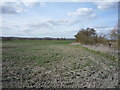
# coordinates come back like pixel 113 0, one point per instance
pixel 40 42
pixel 37 51
pixel 45 52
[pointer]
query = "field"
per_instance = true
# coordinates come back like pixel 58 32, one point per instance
pixel 52 63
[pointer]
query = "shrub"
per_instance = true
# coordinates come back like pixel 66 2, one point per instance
pixel 89 36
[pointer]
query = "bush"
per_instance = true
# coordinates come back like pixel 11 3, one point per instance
pixel 89 36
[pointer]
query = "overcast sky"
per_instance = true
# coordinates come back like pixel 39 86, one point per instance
pixel 56 19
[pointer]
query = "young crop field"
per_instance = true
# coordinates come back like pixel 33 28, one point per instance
pixel 55 63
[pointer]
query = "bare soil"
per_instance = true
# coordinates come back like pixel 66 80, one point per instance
pixel 45 65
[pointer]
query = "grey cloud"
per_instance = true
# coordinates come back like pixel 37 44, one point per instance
pixel 50 23
pixel 106 5
pixel 27 31
pixel 100 27
pixel 66 21
pixel 16 26
pixel 32 4
pixel 8 10
pixel 5 28
pixel 12 8
pixel 18 7
pixel 40 25
pixel 84 12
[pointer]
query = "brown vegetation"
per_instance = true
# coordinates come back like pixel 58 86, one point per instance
pixel 89 36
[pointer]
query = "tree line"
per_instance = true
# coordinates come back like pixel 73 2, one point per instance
pixel 89 36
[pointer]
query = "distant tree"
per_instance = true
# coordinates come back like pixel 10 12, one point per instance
pixel 86 36
pixel 89 36
pixel 115 35
pixel 101 39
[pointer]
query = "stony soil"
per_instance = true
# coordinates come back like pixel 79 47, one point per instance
pixel 101 48
pixel 68 66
